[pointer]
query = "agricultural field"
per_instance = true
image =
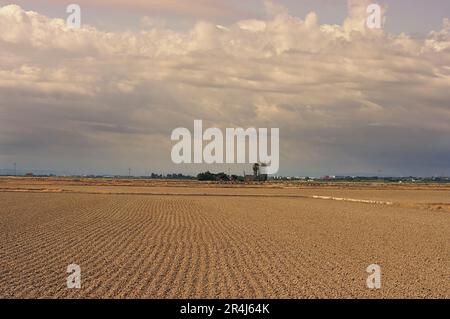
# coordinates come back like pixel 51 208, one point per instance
pixel 161 239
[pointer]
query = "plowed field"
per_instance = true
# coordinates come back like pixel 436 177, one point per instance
pixel 231 244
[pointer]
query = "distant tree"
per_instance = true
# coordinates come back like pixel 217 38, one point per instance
pixel 236 178
pixel 256 168
pixel 207 176
pixel 222 177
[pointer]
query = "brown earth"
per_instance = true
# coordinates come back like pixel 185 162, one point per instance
pixel 193 240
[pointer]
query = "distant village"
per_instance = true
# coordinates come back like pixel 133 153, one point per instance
pixel 258 176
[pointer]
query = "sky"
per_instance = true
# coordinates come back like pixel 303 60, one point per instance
pixel 104 98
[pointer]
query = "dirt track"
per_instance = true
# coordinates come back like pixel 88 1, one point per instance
pixel 226 247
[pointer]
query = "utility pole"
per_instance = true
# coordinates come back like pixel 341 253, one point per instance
pixel 15 169
pixel 129 173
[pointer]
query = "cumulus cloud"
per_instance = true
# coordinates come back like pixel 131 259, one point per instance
pixel 346 99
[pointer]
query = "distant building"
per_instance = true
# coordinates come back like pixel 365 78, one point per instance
pixel 249 178
pixel 263 176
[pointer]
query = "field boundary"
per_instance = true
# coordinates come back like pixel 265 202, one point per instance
pixel 61 191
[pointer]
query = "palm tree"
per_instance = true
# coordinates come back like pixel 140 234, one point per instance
pixel 256 169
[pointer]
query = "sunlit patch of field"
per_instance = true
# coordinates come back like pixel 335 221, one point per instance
pixel 191 240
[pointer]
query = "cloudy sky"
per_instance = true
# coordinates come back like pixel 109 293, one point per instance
pixel 106 97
